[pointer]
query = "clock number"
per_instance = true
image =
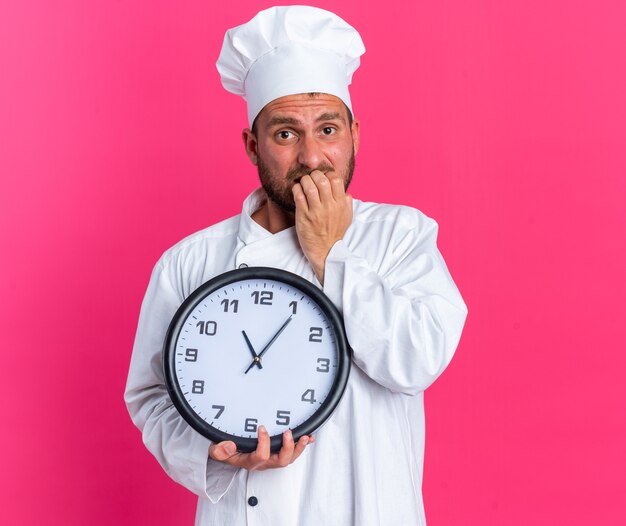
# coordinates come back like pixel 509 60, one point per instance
pixel 208 328
pixel 262 297
pixel 197 387
pixel 251 424
pixel 324 366
pixel 220 410
pixel 315 334
pixel 294 307
pixel 309 396
pixel 282 418
pixel 191 355
pixel 233 303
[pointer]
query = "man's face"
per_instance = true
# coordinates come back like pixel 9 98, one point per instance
pixel 298 134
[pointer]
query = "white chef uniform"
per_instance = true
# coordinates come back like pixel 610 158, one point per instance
pixel 403 316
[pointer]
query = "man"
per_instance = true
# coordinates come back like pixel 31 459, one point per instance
pixel 379 264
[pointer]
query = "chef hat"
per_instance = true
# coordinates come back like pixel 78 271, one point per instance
pixel 289 50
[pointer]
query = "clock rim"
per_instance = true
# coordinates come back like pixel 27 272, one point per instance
pixel 321 414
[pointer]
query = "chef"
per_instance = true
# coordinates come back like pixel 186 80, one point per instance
pixel 378 263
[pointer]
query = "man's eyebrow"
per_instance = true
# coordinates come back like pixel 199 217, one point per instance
pixel 330 117
pixel 291 121
pixel 274 121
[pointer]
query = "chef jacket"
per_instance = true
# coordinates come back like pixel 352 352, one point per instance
pixel 403 317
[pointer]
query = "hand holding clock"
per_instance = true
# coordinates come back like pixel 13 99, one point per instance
pixel 261 458
pixel 323 214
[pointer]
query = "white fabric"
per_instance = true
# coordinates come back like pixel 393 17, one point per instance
pixel 287 50
pixel 403 317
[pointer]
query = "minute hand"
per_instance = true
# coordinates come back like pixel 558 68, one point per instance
pixel 270 343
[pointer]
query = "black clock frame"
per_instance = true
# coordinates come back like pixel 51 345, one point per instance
pixel 222 280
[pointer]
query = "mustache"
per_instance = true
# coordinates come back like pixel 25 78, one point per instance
pixel 297 172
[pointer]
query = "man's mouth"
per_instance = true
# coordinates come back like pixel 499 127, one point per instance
pixel 299 172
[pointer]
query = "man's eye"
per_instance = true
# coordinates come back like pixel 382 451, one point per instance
pixel 328 130
pixel 284 135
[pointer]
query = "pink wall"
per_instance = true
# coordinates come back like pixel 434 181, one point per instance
pixel 503 120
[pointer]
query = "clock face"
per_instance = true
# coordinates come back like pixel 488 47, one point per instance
pixel 252 347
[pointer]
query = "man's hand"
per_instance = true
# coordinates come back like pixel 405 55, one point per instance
pixel 261 458
pixel 323 214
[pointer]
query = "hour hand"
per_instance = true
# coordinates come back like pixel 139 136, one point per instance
pixel 256 360
pixel 269 344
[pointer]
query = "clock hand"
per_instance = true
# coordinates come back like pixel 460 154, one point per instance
pixel 257 359
pixel 282 328
pixel 269 343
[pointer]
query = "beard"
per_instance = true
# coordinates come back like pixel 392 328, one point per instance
pixel 278 189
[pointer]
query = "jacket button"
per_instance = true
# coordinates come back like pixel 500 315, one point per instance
pixel 253 501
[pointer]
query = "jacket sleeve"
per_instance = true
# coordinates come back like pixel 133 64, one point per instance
pixel 402 312
pixel 181 451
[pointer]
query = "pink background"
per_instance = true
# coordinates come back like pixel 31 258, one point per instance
pixel 505 121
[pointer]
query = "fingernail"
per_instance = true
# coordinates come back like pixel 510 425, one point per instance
pixel 262 429
pixel 230 448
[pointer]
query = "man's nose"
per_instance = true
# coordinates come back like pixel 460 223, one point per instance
pixel 310 153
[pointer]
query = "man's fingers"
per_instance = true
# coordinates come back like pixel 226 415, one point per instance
pixel 323 184
pixel 262 453
pixel 285 454
pixel 261 458
pixel 299 197
pixel 318 187
pixel 302 443
pixel 337 185
pixel 310 190
pixel 222 451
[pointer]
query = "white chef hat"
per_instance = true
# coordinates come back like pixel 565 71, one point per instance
pixel 288 50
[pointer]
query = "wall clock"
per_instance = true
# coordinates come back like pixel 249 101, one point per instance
pixel 256 346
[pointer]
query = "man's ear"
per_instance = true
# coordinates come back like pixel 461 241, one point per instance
pixel 250 143
pixel 356 137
